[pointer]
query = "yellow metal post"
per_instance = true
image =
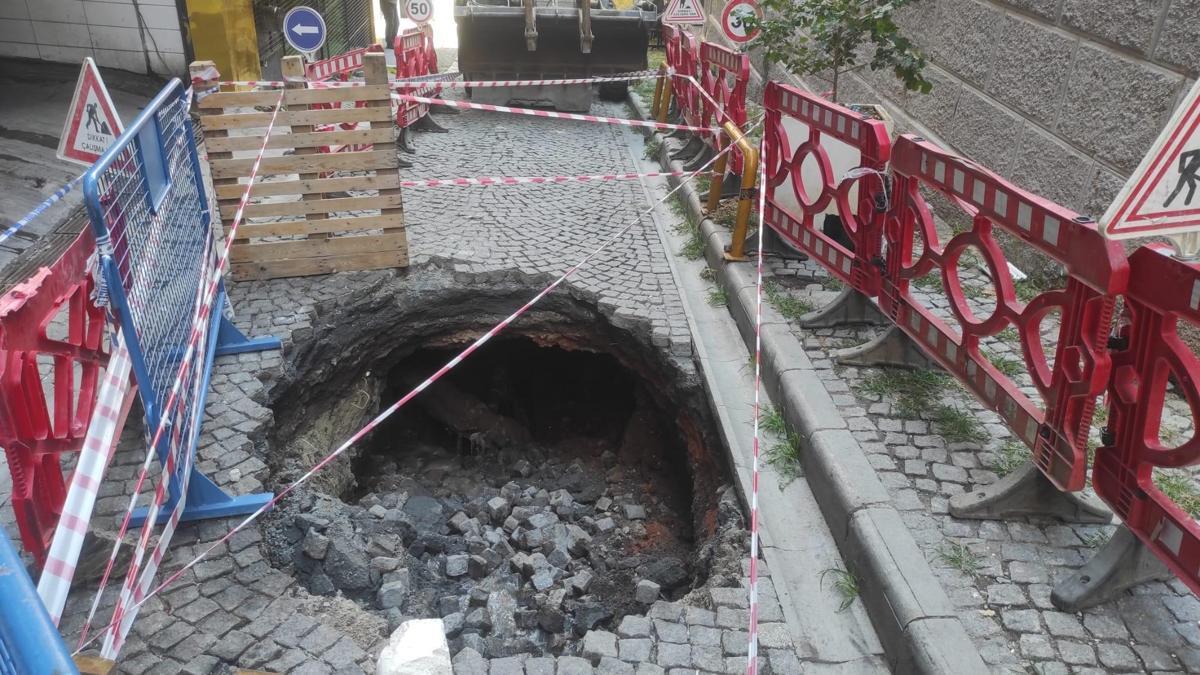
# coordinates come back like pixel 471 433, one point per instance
pixel 223 32
pixel 658 87
pixel 737 247
pixel 663 95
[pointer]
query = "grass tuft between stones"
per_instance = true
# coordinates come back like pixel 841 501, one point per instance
pixel 844 583
pixel 960 557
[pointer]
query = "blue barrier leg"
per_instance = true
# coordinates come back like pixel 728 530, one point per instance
pixel 230 340
pixel 29 641
pixel 204 498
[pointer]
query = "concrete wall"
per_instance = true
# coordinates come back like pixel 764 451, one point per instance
pixel 140 36
pixel 1063 97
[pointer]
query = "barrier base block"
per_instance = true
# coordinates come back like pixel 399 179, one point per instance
pixel 891 348
pixel 205 500
pixel 230 340
pixel 692 146
pixel 426 123
pixel 1119 565
pixel 403 142
pixel 849 308
pixel 1027 492
pixel 701 158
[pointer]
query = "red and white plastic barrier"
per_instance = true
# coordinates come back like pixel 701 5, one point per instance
pixel 39 424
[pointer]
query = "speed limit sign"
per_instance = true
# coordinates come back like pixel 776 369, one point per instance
pixel 418 11
pixel 733 21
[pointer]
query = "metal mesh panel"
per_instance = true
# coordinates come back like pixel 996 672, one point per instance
pixel 348 25
pixel 150 205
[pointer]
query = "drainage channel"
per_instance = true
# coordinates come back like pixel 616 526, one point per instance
pixel 562 483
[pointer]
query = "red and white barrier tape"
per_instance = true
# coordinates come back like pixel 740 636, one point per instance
pixel 537 180
pixel 555 115
pixel 479 342
pixel 124 612
pixel 483 84
pixel 104 428
pixel 752 631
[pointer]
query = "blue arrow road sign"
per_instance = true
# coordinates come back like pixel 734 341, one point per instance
pixel 304 29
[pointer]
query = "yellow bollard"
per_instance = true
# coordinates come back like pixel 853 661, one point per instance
pixel 736 252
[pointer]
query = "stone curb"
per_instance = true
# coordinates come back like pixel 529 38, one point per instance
pixel 909 608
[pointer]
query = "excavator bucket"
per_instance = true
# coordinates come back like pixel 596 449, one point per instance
pixel 551 39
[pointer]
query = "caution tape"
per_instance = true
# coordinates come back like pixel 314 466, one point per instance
pixel 39 209
pixel 752 630
pixel 555 115
pixel 483 84
pixel 536 180
pixel 388 412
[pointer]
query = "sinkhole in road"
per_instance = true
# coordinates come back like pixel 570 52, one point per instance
pixel 564 476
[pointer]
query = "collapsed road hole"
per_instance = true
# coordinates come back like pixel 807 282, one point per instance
pixel 562 477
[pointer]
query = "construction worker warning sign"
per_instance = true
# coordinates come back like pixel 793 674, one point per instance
pixel 92 123
pixel 684 12
pixel 1163 194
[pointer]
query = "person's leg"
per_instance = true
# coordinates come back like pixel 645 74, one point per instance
pixel 391 21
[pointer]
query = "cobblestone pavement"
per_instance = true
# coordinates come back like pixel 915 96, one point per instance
pixel 999 574
pixel 234 609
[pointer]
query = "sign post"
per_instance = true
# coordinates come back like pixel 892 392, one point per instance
pixel 686 12
pixel 92 122
pixel 304 29
pixel 418 11
pixel 1162 197
pixel 733 20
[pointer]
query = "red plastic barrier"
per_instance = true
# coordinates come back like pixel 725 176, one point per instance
pixel 1162 290
pixel 340 67
pixel 49 318
pixel 688 101
pixel 793 215
pixel 724 76
pixel 415 57
pixel 1097 268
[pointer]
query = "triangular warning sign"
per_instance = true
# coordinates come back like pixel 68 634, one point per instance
pixel 92 123
pixel 684 12
pixel 1163 194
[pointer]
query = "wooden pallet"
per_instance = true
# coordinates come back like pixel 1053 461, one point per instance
pixel 293 226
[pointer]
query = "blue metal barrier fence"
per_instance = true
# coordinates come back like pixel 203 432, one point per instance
pixel 29 641
pixel 151 218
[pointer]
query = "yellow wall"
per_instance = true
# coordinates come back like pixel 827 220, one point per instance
pixel 223 31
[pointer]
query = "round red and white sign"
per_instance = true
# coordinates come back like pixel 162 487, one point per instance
pixel 418 11
pixel 733 21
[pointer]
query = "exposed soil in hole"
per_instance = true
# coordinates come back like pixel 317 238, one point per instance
pixel 554 482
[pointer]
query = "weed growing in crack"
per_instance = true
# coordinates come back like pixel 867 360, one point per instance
pixel 958 426
pixel 791 307
pixel 960 557
pixel 1180 486
pixel 717 297
pixel 1009 366
pixel 653 146
pixel 708 274
pixel 687 225
pixel 916 391
pixel 1010 456
pixel 1009 336
pixel 771 420
pixel 845 583
pixel 1095 539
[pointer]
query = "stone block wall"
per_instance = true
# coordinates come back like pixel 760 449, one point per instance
pixel 1063 97
pixel 141 36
